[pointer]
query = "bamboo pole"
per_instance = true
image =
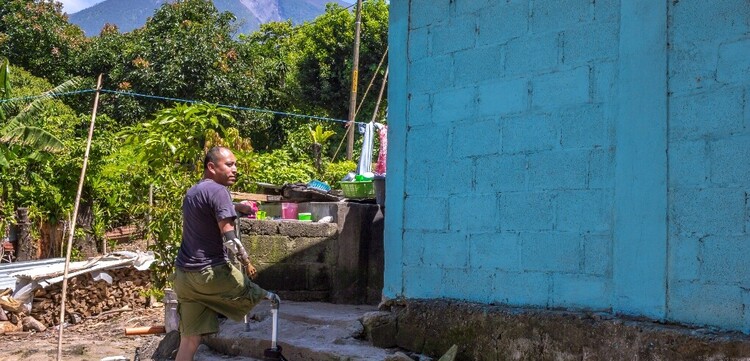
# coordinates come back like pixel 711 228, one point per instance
pixel 355 79
pixel 148 215
pixel 374 76
pixel 75 215
pixel 380 96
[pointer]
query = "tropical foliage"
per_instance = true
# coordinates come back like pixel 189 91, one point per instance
pixel 238 91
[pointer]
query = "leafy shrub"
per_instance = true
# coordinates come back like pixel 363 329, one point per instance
pixel 336 171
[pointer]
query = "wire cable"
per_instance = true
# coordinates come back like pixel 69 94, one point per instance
pixel 179 100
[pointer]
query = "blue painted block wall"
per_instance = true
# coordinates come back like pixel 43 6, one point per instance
pixel 572 153
pixel 709 163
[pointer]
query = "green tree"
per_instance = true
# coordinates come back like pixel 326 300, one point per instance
pixel 35 35
pixel 324 63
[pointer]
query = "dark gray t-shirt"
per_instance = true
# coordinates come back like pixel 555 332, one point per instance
pixel 204 205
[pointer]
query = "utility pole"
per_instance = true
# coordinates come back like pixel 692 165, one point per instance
pixel 355 79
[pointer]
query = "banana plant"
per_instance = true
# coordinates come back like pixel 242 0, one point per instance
pixel 18 130
pixel 319 137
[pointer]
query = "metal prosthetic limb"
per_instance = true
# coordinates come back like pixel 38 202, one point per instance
pixel 274 353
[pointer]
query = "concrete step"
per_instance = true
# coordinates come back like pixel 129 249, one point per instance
pixel 307 331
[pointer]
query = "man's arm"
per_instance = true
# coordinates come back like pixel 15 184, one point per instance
pixel 227 229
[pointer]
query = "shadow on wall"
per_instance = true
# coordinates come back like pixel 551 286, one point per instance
pixel 340 262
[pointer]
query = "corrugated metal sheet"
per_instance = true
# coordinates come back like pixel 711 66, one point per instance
pixel 6 269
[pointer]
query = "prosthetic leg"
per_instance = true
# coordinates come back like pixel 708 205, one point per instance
pixel 274 353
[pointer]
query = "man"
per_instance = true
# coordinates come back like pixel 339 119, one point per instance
pixel 205 283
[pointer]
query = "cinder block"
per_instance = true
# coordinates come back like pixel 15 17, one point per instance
pixel 515 22
pixel 428 12
pixel 532 54
pixel 585 43
pixel 684 258
pixel 725 260
pixel 605 85
pixel 597 253
pixel 413 247
pixel 476 65
pixel 426 213
pixel 445 250
pixel 419 44
pixel 588 292
pixel 526 289
pixel 694 21
pixel 474 6
pixel 458 34
pixel 565 169
pixel 474 212
pixel 734 62
pixel 422 143
pixel 561 89
pixel 421 282
pixel 560 14
pixel 495 250
pixel 500 173
pixel 530 133
pixel 430 73
pixel 451 176
pixel 705 304
pixel 474 285
pixel 283 277
pixel 708 211
pixel 587 127
pixel 296 229
pixel 585 211
pixel 454 105
pixel 607 11
pixel 318 277
pixel 477 138
pixel 551 252
pixel 267 249
pixel 501 97
pixel 706 114
pixel 688 164
pixel 420 109
pixel 525 211
pixel 692 66
pixel 418 175
pixel 311 250
pixel 729 164
pixel 601 168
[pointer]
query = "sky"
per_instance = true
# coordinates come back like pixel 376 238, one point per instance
pixel 72 6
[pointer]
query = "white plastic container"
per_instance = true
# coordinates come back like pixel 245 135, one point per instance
pixel 171 316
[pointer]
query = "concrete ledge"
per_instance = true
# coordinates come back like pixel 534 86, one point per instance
pixel 486 332
pixel 339 262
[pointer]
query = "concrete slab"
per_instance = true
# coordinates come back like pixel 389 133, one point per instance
pixel 307 331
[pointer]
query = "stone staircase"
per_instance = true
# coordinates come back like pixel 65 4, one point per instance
pixel 307 331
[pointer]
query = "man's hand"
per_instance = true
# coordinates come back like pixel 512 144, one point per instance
pixel 246 207
pixel 251 271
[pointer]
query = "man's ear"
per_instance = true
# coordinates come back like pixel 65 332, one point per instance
pixel 211 167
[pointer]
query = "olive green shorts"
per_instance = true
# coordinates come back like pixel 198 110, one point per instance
pixel 203 295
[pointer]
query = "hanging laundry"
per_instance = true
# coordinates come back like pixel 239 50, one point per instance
pixel 380 167
pixel 365 157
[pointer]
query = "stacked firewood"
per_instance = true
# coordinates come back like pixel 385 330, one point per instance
pixel 87 298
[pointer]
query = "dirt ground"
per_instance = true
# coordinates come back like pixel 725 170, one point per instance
pixel 90 340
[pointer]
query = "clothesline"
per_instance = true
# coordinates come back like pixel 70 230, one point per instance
pixel 190 101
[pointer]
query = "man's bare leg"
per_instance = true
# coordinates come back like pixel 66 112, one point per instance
pixel 188 346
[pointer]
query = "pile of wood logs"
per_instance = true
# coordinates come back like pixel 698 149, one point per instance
pixel 87 298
